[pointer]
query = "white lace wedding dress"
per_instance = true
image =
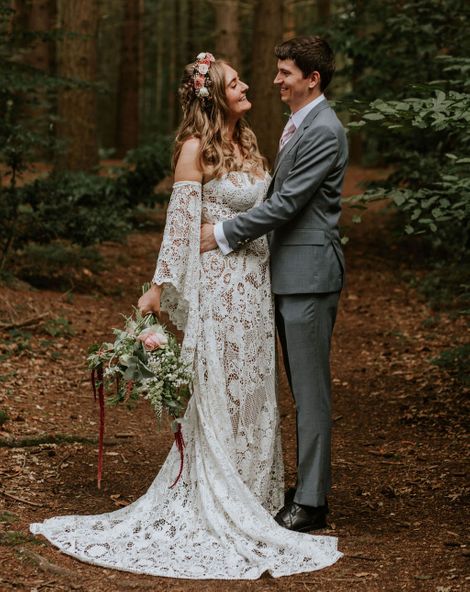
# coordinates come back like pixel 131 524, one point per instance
pixel 217 521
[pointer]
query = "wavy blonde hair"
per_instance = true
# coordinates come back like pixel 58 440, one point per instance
pixel 206 118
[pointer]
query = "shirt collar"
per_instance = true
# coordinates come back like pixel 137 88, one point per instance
pixel 301 114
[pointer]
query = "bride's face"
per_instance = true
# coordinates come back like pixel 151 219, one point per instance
pixel 235 92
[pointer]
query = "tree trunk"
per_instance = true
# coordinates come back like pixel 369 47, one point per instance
pixel 324 11
pixel 171 56
pixel 129 80
pixel 356 143
pixel 266 115
pixel 192 41
pixel 288 20
pixel 160 73
pixel 77 106
pixel 38 15
pixel 109 63
pixel 227 32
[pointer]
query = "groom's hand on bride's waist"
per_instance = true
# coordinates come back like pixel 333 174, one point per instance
pixel 208 242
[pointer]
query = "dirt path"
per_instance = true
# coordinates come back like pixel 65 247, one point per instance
pixel 398 502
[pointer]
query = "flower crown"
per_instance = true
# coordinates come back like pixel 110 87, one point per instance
pixel 201 80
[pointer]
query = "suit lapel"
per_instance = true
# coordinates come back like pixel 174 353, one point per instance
pixel 298 134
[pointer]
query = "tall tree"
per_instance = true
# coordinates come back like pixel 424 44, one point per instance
pixel 173 12
pixel 35 19
pixel 109 64
pixel 289 19
pixel 38 16
pixel 227 32
pixel 129 79
pixel 266 115
pixel 324 11
pixel 77 105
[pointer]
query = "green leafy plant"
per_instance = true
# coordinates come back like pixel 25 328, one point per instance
pixel 58 265
pixel 3 416
pixel 81 208
pixel 456 362
pixel 433 190
pixel 8 517
pixel 149 164
pixel 409 100
pixel 58 327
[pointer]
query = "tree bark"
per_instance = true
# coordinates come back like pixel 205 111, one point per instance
pixel 109 63
pixel 172 64
pixel 227 32
pixel 266 115
pixel 129 80
pixel 324 11
pixel 160 73
pixel 36 16
pixel 38 19
pixel 356 143
pixel 288 20
pixel 77 106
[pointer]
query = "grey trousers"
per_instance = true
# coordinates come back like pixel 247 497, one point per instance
pixel 305 325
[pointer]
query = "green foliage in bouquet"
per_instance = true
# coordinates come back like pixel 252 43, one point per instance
pixel 143 361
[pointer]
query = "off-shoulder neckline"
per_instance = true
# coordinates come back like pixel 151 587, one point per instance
pixel 199 184
pixel 177 183
pixel 258 179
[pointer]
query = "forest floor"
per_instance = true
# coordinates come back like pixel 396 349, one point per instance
pixel 398 500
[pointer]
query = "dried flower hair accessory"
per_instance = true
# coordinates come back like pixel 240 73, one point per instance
pixel 201 80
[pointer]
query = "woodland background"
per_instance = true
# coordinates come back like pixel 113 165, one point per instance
pixel 88 109
pixel 91 80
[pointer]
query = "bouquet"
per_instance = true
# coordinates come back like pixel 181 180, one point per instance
pixel 144 361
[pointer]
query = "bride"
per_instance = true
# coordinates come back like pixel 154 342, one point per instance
pixel 217 522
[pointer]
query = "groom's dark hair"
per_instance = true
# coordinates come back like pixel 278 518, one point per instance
pixel 310 54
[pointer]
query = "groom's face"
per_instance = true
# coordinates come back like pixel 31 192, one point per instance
pixel 295 90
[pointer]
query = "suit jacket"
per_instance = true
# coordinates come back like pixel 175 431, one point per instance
pixel 302 208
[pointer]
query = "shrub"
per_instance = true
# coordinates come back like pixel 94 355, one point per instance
pixel 58 265
pixel 84 209
pixel 456 362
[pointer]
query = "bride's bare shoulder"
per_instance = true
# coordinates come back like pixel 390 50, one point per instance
pixel 188 166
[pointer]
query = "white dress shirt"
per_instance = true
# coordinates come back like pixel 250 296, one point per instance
pixel 296 119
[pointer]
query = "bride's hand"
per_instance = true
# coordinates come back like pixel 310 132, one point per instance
pixel 150 301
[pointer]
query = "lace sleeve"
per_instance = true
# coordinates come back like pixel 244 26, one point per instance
pixel 178 261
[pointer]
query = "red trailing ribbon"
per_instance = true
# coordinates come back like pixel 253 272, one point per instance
pixel 97 377
pixel 179 440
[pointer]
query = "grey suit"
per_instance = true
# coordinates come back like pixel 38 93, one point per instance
pixel 301 213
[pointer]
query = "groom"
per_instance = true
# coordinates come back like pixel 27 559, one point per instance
pixel 301 214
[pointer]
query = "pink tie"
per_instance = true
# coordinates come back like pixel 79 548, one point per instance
pixel 287 133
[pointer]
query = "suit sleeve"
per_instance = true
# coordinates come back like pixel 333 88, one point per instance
pixel 316 155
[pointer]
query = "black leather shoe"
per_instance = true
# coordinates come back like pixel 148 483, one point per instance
pixel 301 518
pixel 289 498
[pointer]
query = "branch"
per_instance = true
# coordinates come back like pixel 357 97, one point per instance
pixel 26 323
